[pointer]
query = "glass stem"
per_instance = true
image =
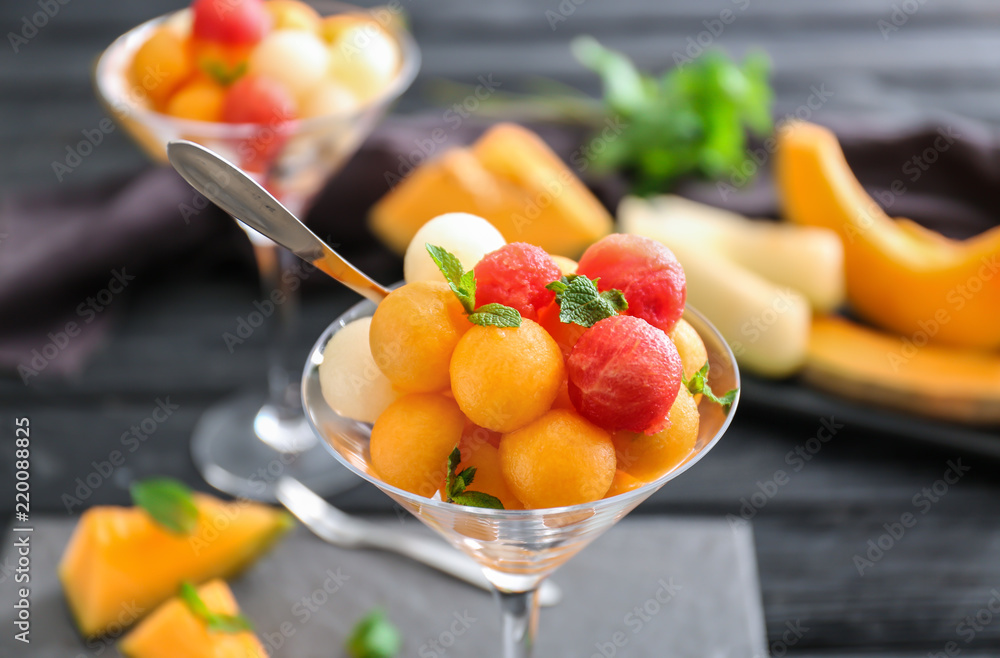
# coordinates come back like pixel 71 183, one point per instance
pixel 280 303
pixel 518 621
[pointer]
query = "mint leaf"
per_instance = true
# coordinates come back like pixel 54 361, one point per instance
pixel 462 283
pixel 581 303
pixel 699 384
pixel 374 637
pixel 455 486
pixel 478 499
pixel 169 502
pixel 224 75
pixel 496 315
pixel 220 623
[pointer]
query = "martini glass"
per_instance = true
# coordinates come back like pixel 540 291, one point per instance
pixel 242 445
pixel 517 549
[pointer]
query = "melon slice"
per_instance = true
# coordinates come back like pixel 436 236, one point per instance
pixel 873 367
pixel 120 564
pixel 511 178
pixel 172 630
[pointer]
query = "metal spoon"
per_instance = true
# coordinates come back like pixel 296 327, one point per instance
pixel 340 529
pixel 232 189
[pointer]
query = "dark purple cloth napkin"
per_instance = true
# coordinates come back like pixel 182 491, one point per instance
pixel 66 258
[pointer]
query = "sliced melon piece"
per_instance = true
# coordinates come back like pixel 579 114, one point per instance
pixel 874 367
pixel 172 630
pixel 120 563
pixel 511 178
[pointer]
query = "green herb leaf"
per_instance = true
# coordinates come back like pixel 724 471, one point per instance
pixel 477 499
pixel 496 315
pixel 693 119
pixel 215 621
pixel 168 501
pixel 699 384
pixel 462 283
pixel 455 486
pixel 581 303
pixel 374 637
pixel 224 75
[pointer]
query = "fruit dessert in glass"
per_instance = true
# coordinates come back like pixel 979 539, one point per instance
pixel 520 404
pixel 288 92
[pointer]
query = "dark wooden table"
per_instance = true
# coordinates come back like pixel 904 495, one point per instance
pixel 945 57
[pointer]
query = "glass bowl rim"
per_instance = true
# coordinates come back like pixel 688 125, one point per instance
pixel 619 501
pixel 410 65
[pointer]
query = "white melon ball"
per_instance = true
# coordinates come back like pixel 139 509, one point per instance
pixel 365 58
pixel 469 237
pixel 329 98
pixel 352 384
pixel 296 58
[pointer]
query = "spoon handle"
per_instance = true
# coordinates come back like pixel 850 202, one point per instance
pixel 232 189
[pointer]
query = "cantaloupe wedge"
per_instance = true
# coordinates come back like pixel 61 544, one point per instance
pixel 120 564
pixel 900 276
pixel 757 282
pixel 509 177
pixel 172 630
pixel 878 368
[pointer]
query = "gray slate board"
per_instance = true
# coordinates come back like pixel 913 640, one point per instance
pixel 714 611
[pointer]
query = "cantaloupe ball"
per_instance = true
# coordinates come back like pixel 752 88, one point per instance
pixel 505 377
pixel 352 384
pixel 329 99
pixel 296 58
pixel 161 65
pixel 648 457
pixel 489 477
pixel 199 99
pixel 566 265
pixel 412 439
pixel 293 15
pixel 689 346
pixel 623 483
pixel 413 334
pixel 558 459
pixel 468 237
pixel 364 57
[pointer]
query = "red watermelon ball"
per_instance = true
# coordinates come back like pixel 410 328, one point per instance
pixel 515 275
pixel 645 270
pixel 624 374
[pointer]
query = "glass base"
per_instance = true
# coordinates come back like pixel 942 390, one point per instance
pixel 234 459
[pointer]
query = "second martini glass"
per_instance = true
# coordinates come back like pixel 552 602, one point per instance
pixel 516 549
pixel 243 444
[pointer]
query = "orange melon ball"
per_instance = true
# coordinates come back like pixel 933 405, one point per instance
pixel 623 483
pixel 413 334
pixel 566 266
pixel 562 400
pixel 503 378
pixel 558 459
pixel 293 15
pixel 161 65
pixel 412 439
pixel 199 99
pixel 689 346
pixel 648 457
pixel 489 476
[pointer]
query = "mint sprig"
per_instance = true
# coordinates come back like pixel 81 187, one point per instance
pixel 215 621
pixel 224 75
pixel 496 315
pixel 581 303
pixel 456 485
pixel 463 284
pixel 374 637
pixel 170 503
pixel 699 384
